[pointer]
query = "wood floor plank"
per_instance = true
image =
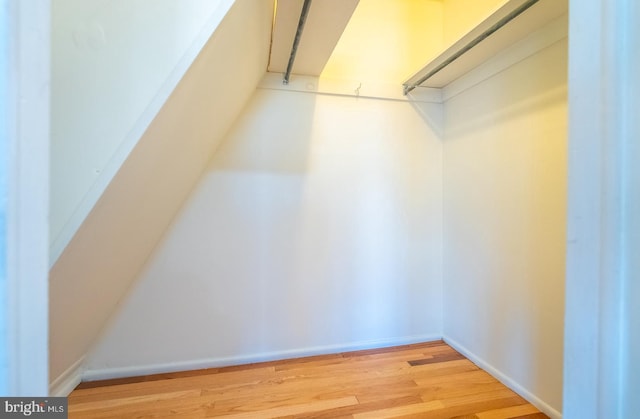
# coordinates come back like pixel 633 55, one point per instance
pixel 429 380
pixel 511 412
pixel 191 406
pixel 127 401
pixel 437 358
pixel 449 391
pixel 501 392
pixel 400 348
pixel 146 378
pixel 349 411
pixel 471 376
pixel 225 380
pixel 280 411
pixel 531 416
pixel 352 383
pixel 422 409
pixel 479 402
pixel 338 386
pixel 269 401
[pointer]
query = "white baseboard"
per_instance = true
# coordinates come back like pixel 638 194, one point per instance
pixel 64 384
pixel 504 379
pixel 135 371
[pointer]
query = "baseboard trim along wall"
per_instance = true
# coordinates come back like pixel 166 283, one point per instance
pixel 504 379
pixel 136 371
pixel 64 384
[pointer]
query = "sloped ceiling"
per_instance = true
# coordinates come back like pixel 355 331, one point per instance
pixel 102 261
pixel 325 23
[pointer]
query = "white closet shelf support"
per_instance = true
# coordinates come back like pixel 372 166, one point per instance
pixel 509 24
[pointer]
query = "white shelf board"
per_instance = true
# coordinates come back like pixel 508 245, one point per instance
pixel 532 19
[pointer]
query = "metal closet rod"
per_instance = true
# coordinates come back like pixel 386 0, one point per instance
pixel 296 40
pixel 484 35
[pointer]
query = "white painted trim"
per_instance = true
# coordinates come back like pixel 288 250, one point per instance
pixel 350 88
pixel 128 143
pixel 537 41
pixel 28 203
pixel 64 384
pixel 504 379
pixel 602 110
pixel 135 371
pixel 6 133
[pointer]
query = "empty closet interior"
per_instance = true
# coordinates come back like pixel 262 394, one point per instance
pixel 406 183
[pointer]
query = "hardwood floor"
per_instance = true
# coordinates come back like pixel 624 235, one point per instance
pixel 429 380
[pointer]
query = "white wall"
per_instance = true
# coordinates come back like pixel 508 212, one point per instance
pixel 504 217
pixel 108 251
pixel 114 63
pixel 316 228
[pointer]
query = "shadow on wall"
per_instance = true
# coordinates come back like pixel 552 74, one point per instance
pixel 214 282
pixel 533 84
pixel 100 264
pixel 249 205
pixel 276 139
pixel 114 63
pixel 315 228
pixel 433 116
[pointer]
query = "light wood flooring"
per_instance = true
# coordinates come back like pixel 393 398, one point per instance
pixel 429 380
